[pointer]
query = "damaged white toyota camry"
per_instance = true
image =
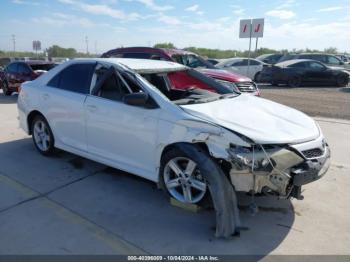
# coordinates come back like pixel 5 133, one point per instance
pixel 165 122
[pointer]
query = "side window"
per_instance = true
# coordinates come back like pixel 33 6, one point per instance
pixel 297 65
pixel 254 63
pixel 333 60
pixel 12 68
pixel 112 85
pixel 23 69
pixel 74 78
pixel 316 66
pixel 237 63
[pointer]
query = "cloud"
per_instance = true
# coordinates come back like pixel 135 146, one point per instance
pixel 169 20
pixel 101 9
pixel 153 6
pixel 282 14
pixel 192 8
pixel 287 4
pixel 61 20
pixel 22 2
pixel 330 9
pixel 238 10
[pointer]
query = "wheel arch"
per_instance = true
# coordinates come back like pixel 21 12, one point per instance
pixel 31 117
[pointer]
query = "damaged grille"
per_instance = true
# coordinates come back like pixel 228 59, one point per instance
pixel 313 153
pixel 246 86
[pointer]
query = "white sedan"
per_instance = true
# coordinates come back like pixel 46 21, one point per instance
pixel 240 65
pixel 192 142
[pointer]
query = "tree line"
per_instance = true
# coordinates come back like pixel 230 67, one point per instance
pixel 57 51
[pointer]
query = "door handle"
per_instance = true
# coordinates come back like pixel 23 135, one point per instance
pixel 46 96
pixel 92 108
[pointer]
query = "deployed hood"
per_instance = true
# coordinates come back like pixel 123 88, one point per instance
pixel 261 120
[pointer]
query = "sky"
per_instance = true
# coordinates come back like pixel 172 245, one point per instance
pixel 107 24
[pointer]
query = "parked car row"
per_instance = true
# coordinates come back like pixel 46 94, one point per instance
pixel 15 73
pixel 297 72
pixel 234 80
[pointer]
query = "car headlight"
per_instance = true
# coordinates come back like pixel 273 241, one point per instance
pixel 228 84
pixel 251 159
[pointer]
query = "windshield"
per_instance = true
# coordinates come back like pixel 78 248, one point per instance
pixel 44 67
pixel 192 61
pixel 189 87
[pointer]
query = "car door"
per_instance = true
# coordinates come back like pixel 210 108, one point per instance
pixel 25 73
pixel 317 72
pixel 11 73
pixel 123 135
pixel 254 68
pixel 237 66
pixel 62 102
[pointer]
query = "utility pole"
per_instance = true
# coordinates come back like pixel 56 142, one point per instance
pixel 87 44
pixel 14 43
pixel 95 47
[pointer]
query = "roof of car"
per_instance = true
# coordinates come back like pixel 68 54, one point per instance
pixel 167 51
pixel 144 66
pixel 33 62
pixel 293 61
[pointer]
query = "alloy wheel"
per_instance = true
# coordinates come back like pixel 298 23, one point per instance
pixel 41 135
pixel 183 180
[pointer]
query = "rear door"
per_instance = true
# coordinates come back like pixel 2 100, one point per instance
pixel 62 103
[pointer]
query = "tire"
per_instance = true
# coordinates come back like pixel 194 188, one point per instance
pixel 186 178
pixel 294 81
pixel 342 81
pixel 5 89
pixel 42 136
pixel 257 77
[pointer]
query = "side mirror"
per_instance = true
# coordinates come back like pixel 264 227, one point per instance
pixel 341 63
pixel 136 99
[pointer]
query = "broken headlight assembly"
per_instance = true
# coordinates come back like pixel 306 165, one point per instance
pixel 261 168
pixel 252 159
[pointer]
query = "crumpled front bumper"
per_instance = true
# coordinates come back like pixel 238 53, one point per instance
pixel 312 170
pixel 291 167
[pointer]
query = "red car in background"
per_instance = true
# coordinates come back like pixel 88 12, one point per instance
pixel 232 80
pixel 18 72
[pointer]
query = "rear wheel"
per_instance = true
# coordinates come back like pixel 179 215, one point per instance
pixel 5 89
pixel 42 136
pixel 294 81
pixel 342 81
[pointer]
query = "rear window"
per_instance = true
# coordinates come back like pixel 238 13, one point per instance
pixel 182 80
pixel 137 55
pixel 74 78
pixel 44 67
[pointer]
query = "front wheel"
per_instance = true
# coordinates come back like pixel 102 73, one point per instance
pixel 42 136
pixel 257 77
pixel 342 81
pixel 182 178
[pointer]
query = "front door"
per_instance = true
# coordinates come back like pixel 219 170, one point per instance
pixel 122 134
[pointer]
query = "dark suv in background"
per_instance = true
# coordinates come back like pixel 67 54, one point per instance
pixel 18 72
pixel 235 81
